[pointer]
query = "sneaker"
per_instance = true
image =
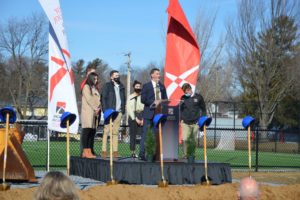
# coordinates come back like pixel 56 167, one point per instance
pixel 134 155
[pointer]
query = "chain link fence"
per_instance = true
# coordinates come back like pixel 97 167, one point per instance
pixel 269 149
pixel 226 139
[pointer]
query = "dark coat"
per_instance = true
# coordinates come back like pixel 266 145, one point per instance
pixel 192 108
pixel 148 97
pixel 108 97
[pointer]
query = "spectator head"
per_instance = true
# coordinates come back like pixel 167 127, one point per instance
pixel 248 189
pixel 92 79
pixel 56 186
pixel 155 74
pixel 115 76
pixel 187 89
pixel 137 86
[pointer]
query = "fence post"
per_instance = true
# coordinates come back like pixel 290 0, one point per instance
pixel 48 151
pixel 256 149
pixel 234 116
pixel 215 134
pixel 275 138
pixel 298 143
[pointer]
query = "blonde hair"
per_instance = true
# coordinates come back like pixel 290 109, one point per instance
pixel 56 186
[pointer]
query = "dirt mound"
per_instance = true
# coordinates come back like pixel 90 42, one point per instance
pixel 130 192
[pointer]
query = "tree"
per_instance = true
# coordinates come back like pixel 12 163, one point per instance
pixel 143 74
pixel 4 96
pixel 23 43
pixel 264 41
pixel 102 69
pixel 214 80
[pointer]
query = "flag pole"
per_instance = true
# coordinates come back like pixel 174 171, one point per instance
pixel 128 79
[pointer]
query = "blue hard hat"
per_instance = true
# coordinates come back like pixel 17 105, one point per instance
pixel 159 118
pixel 204 120
pixel 247 121
pixel 109 113
pixel 12 114
pixel 65 117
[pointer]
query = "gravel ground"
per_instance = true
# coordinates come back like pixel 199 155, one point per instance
pixel 82 183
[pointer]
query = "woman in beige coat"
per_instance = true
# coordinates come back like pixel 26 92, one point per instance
pixel 90 107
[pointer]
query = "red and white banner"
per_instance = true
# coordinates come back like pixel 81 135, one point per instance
pixel 61 91
pixel 182 54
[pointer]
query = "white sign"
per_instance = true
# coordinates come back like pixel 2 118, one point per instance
pixel 61 91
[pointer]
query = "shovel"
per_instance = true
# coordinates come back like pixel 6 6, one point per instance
pixel 66 120
pixel 68 147
pixel 249 150
pixel 113 181
pixel 203 122
pixel 247 121
pixel 163 182
pixel 205 180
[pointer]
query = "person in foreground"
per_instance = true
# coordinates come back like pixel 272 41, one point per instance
pixel 135 112
pixel 248 189
pixel 56 186
pixel 153 93
pixel 113 97
pixel 89 69
pixel 191 109
pixel 90 107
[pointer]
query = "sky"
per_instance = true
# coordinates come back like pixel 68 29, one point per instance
pixel 107 29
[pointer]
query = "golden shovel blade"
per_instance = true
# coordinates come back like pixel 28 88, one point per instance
pixel 163 183
pixel 4 186
pixel 112 182
pixel 206 181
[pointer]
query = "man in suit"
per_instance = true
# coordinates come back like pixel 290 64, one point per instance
pixel 152 94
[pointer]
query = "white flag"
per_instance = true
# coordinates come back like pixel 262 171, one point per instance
pixel 61 91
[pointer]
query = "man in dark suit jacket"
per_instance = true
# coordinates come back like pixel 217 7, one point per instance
pixel 152 94
pixel 113 96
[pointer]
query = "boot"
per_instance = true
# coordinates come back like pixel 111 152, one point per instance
pixel 103 154
pixel 115 154
pixel 87 153
pixel 90 154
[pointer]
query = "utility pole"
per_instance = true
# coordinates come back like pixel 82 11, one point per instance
pixel 128 78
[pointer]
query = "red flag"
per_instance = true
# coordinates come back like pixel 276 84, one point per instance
pixel 182 54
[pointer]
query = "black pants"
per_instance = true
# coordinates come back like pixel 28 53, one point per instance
pixel 88 136
pixel 134 129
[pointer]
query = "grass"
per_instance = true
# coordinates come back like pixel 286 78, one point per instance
pixel 37 155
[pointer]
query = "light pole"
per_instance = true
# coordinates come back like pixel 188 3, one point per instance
pixel 128 78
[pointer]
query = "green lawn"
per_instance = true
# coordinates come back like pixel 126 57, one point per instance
pixel 37 154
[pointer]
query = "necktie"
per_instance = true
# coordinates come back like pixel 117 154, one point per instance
pixel 157 91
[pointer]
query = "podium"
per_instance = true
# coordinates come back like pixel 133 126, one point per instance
pixel 170 130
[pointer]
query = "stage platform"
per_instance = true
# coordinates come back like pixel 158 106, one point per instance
pixel 134 171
